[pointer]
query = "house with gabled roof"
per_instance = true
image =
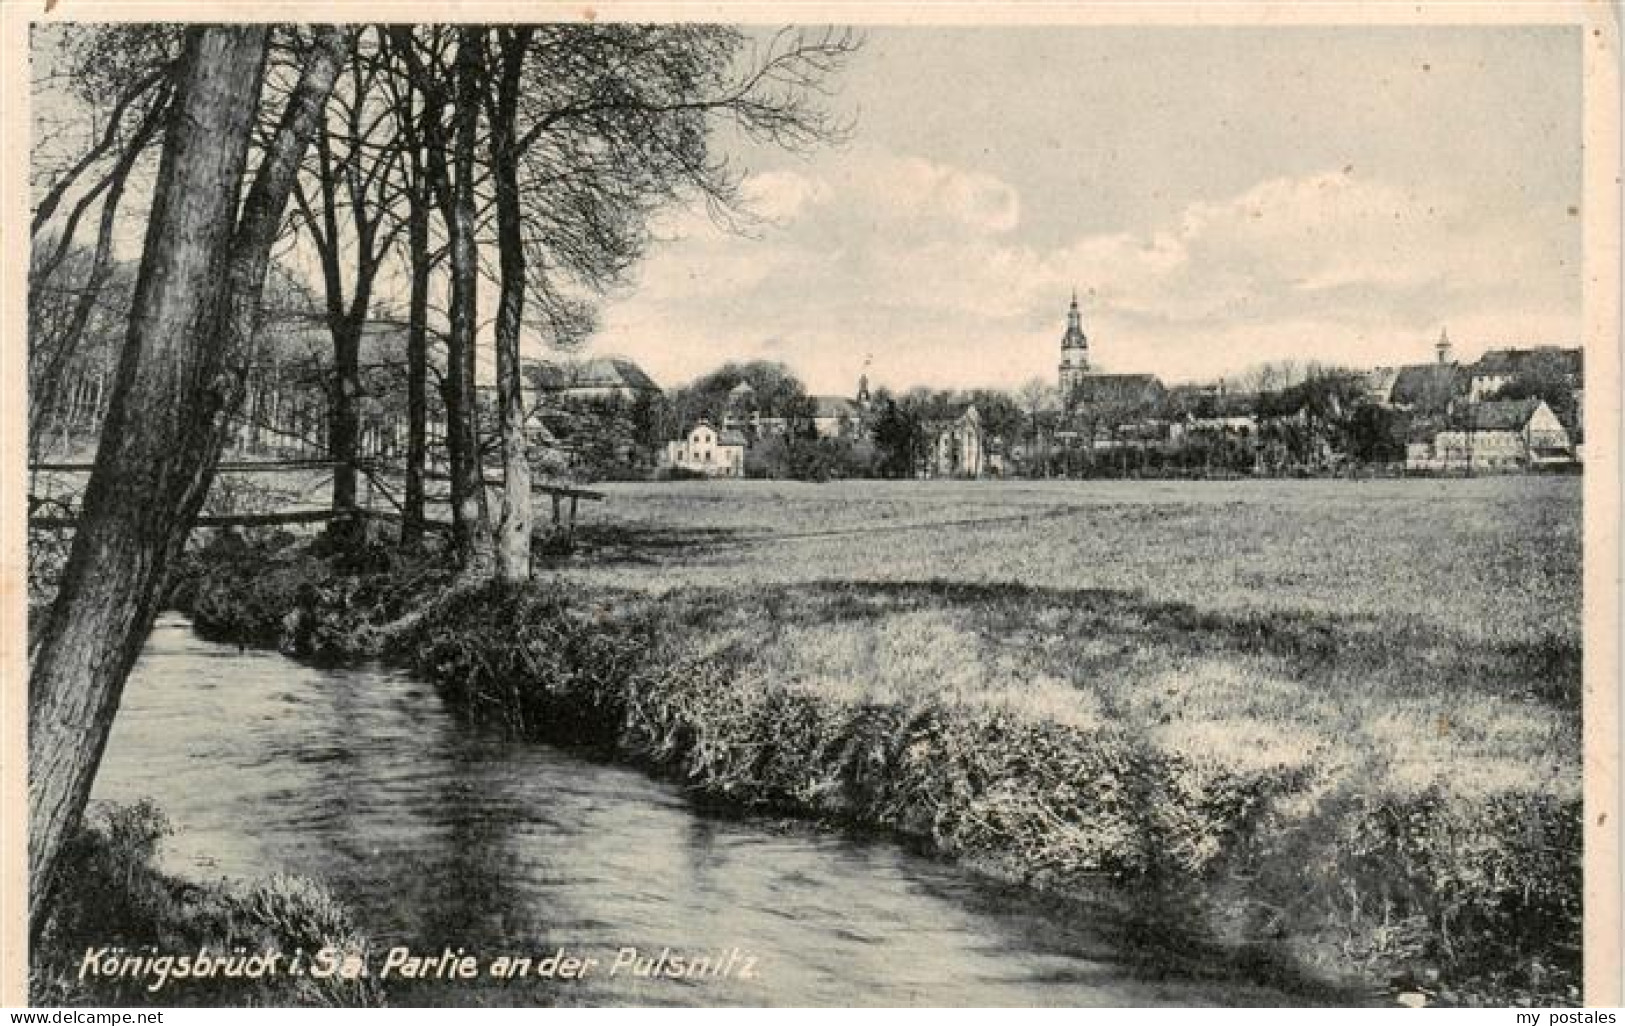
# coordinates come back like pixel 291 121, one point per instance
pixel 956 445
pixel 708 450
pixel 1199 408
pixel 835 416
pixel 1427 387
pixel 1126 391
pixel 1497 435
pixel 1379 384
pixel 599 377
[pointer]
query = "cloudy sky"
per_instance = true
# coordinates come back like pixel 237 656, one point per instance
pixel 1219 197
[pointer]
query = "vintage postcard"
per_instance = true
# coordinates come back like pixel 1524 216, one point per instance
pixel 1052 504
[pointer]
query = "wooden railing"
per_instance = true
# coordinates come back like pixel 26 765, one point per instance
pixel 371 470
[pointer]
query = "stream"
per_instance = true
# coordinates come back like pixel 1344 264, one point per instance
pixel 440 833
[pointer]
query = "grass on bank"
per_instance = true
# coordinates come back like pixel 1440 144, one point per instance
pixel 1165 748
pixel 112 899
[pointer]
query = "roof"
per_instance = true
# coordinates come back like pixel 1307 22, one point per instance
pixel 1422 431
pixel 1496 415
pixel 725 436
pixel 599 372
pixel 1379 381
pixel 1510 361
pixel 833 406
pixel 1114 388
pixel 1425 381
pixel 1227 405
pixel 955 413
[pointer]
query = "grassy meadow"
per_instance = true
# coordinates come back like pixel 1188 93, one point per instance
pixel 1403 632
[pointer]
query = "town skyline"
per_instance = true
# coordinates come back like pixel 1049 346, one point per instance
pixel 1412 179
pixel 1425 352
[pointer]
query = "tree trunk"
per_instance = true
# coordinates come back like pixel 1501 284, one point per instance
pixel 470 515
pixel 344 424
pixel 180 379
pixel 514 527
pixel 453 189
pixel 417 363
pixel 146 468
pixel 344 321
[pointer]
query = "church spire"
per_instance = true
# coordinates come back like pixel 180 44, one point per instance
pixel 1074 347
pixel 1442 347
pixel 1074 337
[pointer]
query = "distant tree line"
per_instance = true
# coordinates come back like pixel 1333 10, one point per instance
pixel 1282 418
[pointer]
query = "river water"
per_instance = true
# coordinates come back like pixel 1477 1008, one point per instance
pixel 440 833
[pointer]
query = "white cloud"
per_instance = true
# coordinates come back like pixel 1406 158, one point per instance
pixel 927 266
pixel 924 189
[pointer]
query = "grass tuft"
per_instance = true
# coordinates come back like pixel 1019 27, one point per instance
pixel 110 895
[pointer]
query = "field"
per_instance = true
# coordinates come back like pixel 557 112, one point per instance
pixel 1401 632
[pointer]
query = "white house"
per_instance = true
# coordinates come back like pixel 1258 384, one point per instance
pixel 708 451
pixel 957 446
pixel 1510 434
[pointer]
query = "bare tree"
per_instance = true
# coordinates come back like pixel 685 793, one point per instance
pixel 139 83
pixel 353 222
pixel 1041 400
pixel 117 74
pixel 61 347
pixel 595 128
pixel 450 151
pixel 417 195
pixel 180 379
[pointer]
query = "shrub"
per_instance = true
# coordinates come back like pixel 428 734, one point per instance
pixel 531 658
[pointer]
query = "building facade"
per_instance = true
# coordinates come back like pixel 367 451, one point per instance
pixel 956 446
pixel 709 451
pixel 1500 435
pixel 827 416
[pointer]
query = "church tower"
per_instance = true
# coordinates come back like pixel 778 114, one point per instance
pixel 1074 349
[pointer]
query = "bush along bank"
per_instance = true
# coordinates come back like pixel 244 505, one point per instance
pixel 122 933
pixel 1440 897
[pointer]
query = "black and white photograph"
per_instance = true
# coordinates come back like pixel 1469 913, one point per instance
pixel 1042 505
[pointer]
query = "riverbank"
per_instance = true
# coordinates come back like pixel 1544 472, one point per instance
pixel 1258 770
pixel 126 934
